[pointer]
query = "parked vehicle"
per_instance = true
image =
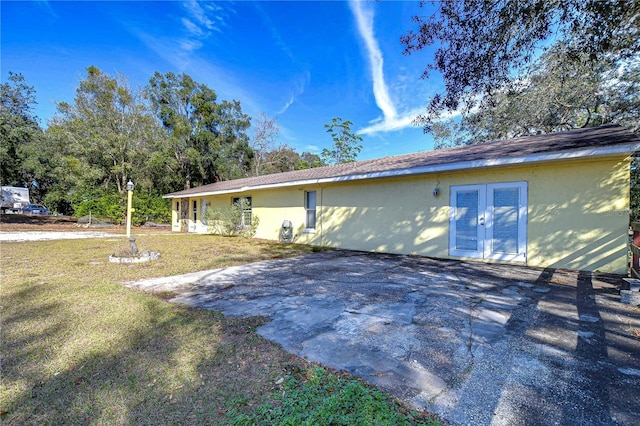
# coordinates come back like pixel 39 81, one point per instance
pixel 34 209
pixel 14 199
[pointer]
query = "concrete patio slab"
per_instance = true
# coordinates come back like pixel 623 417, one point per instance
pixel 475 343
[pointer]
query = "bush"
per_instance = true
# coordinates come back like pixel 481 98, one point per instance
pixel 230 222
pixel 150 207
pixel 110 204
pixel 100 203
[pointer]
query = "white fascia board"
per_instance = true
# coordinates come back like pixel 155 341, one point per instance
pixel 438 168
pixel 246 188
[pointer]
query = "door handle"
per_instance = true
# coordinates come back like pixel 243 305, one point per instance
pixel 481 220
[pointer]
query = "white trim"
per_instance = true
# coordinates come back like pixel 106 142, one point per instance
pixel 521 255
pixel 480 232
pixel 436 168
pixel 484 227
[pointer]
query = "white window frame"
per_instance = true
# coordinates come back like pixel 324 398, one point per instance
pixel 246 212
pixel 204 204
pixel 307 210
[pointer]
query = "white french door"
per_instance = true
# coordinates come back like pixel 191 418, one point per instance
pixel 489 221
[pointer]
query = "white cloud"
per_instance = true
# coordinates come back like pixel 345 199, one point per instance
pixel 392 124
pixel 191 27
pixel 44 4
pixel 201 14
pixel 312 148
pixel 275 34
pixel 391 120
pixel 301 81
pixel 364 20
pixel 202 19
pixel 188 46
pixel 286 105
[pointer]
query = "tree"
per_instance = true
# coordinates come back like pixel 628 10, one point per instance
pixel 282 159
pixel 345 143
pixel 309 160
pixel 19 129
pixel 265 133
pixel 558 92
pixel 108 129
pixel 94 145
pixel 207 138
pixel 480 43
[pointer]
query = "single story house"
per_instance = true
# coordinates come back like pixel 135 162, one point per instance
pixel 557 200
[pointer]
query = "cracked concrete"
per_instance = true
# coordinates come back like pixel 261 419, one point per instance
pixel 475 343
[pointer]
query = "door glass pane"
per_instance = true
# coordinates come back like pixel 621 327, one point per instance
pixel 505 220
pixel 467 220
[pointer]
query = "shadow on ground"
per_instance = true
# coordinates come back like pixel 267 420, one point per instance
pixel 473 342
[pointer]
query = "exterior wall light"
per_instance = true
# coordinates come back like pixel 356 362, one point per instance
pixel 436 190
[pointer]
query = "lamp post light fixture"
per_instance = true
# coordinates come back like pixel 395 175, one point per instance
pixel 129 187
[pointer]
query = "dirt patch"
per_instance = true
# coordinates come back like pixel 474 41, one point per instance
pixel 21 219
pixel 21 222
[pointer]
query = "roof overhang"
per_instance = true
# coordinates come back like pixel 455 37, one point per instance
pixel 613 150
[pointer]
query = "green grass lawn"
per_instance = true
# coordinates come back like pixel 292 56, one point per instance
pixel 79 348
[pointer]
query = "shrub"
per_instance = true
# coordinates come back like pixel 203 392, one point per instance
pixel 231 221
pixel 110 204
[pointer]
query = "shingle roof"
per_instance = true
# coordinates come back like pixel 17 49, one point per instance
pixel 582 142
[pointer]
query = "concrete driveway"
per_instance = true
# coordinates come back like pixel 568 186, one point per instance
pixel 475 343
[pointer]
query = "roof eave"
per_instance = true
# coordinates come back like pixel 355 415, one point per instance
pixel 437 168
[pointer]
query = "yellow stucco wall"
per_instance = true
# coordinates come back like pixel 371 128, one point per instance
pixel 577 213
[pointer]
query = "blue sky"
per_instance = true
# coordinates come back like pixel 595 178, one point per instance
pixel 300 61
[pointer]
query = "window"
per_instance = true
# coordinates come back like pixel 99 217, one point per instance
pixel 310 206
pixel 177 211
pixel 245 205
pixel 195 210
pixel 204 205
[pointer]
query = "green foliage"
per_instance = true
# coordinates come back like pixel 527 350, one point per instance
pixel 321 398
pixel 309 160
pixel 150 207
pixel 233 221
pixel 174 134
pixel 111 205
pixel 19 130
pixel 558 92
pixel 207 138
pixel 100 203
pixel 346 145
pixel 480 43
pixel 108 129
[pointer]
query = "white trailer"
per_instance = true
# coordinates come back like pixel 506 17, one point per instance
pixel 14 198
